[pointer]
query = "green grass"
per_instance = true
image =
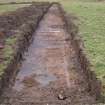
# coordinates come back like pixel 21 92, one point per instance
pixel 92 31
pixel 6 8
pixel 7 53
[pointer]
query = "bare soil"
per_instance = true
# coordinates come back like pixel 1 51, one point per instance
pixel 50 73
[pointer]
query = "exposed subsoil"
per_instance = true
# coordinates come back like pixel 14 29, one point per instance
pixel 50 73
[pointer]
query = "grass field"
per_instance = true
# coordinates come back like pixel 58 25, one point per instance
pixel 92 31
pixel 5 8
pixel 91 21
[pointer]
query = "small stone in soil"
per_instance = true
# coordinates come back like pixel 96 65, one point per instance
pixel 61 97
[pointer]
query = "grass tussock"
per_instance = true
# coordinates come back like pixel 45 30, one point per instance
pixel 6 53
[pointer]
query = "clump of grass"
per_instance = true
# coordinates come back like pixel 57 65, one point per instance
pixel 6 53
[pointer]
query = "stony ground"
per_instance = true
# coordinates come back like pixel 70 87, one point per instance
pixel 50 73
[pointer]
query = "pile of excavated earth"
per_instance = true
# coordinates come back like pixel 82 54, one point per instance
pixel 42 61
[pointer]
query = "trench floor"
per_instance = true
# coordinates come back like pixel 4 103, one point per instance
pixel 50 73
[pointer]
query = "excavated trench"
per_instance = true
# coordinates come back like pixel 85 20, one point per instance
pixel 51 73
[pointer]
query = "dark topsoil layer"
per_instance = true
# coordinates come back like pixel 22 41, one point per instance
pixel 19 25
pixel 11 21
